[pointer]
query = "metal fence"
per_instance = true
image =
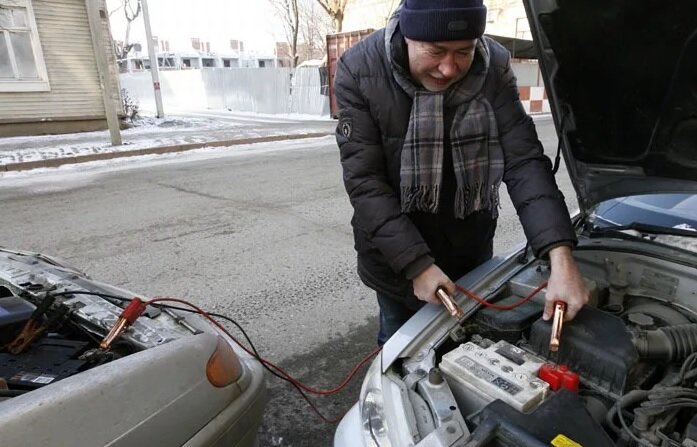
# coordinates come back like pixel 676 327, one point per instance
pixel 260 90
pixel 310 91
pixel 302 90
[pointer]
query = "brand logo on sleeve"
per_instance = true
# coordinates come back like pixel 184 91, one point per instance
pixel 346 127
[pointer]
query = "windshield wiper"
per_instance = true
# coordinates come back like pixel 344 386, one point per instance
pixel 642 228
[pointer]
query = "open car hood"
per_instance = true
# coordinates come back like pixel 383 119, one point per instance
pixel 621 80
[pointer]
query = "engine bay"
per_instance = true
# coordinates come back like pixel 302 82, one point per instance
pixel 52 322
pixel 628 360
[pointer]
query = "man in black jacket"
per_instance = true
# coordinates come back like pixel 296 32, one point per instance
pixel 430 124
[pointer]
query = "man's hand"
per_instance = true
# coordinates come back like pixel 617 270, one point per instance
pixel 565 284
pixel 427 282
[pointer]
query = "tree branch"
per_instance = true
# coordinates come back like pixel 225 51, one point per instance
pixel 128 10
pixel 325 6
pixel 115 10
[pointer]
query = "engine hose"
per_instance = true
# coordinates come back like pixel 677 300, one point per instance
pixel 631 398
pixel 672 343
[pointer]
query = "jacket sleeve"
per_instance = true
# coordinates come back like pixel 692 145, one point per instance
pixel 528 172
pixel 376 206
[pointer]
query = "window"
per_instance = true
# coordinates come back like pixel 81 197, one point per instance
pixel 522 29
pixel 492 15
pixel 22 66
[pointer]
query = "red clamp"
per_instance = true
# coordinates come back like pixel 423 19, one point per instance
pixel 129 315
pixel 559 377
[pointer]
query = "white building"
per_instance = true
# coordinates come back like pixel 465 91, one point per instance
pixel 504 17
pixel 188 60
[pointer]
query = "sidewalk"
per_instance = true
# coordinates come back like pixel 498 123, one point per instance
pixel 174 133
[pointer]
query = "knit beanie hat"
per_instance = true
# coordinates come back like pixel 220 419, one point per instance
pixel 442 20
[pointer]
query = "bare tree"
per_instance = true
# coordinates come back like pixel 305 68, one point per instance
pixel 115 10
pixel 335 9
pixel 131 9
pixel 388 9
pixel 314 27
pixel 288 12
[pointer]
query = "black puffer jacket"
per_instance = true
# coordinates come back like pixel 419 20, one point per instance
pixel 394 247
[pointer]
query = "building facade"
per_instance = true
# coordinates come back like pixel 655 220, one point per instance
pixel 504 18
pixel 199 55
pixel 49 77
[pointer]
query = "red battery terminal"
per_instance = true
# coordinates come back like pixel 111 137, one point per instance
pixel 559 376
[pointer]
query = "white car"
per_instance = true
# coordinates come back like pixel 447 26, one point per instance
pixel 171 379
pixel 620 77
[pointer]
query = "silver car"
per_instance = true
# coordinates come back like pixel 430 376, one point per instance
pixel 170 379
pixel 621 81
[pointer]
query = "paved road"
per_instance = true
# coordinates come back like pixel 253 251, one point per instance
pixel 262 236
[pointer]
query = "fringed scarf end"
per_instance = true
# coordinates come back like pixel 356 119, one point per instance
pixel 420 198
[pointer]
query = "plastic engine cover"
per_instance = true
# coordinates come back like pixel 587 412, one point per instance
pixel 595 344
pixel 561 420
pixel 508 325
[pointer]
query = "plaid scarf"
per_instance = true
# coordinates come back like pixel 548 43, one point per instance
pixel 476 152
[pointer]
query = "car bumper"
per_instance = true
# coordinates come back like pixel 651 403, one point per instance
pixel 238 424
pixel 349 433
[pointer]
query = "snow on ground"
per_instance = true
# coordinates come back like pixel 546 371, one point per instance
pixel 144 125
pixel 70 176
pixel 191 128
pixel 258 117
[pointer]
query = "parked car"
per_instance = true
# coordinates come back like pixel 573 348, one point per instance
pixel 620 79
pixel 664 210
pixel 171 379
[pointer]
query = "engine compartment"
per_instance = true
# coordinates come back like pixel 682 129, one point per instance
pixel 52 321
pixel 632 352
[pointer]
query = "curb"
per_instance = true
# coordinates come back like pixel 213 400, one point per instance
pixel 55 162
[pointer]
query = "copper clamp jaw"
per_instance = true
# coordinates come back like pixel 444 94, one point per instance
pixel 557 322
pixel 450 304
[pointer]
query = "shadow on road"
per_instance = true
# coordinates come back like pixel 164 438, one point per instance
pixel 289 421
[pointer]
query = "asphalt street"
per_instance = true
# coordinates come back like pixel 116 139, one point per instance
pixel 262 236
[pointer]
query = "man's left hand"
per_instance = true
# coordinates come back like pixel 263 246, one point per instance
pixel 565 284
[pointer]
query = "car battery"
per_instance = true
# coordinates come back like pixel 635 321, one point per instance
pixel 14 310
pixel 479 375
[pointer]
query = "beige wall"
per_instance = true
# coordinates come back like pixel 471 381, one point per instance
pixel 75 92
pixel 505 18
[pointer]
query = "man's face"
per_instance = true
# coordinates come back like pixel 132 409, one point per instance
pixel 438 65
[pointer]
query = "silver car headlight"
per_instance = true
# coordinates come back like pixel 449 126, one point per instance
pixel 372 405
pixel 387 418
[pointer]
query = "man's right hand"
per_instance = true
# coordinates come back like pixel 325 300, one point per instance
pixel 427 282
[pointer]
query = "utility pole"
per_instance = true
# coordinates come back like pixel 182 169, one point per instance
pixel 154 66
pixel 94 15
